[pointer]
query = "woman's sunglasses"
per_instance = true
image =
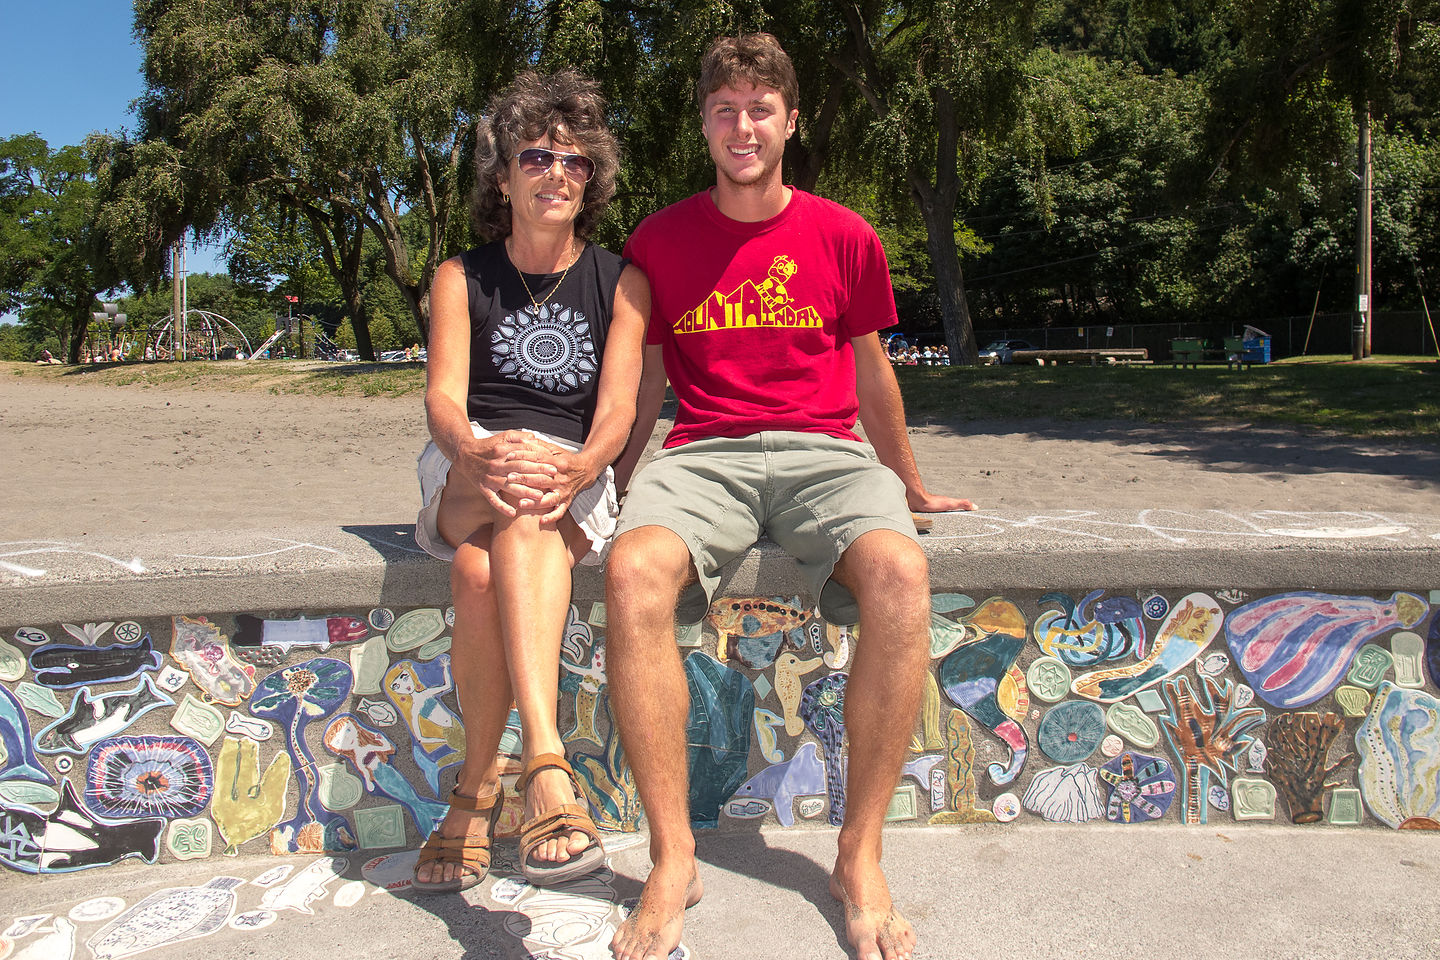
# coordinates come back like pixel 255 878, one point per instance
pixel 536 161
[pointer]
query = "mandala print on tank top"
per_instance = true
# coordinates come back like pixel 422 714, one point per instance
pixel 551 349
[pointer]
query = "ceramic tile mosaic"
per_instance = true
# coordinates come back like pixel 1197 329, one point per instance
pixel 1201 706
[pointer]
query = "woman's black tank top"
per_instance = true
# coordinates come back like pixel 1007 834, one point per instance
pixel 538 369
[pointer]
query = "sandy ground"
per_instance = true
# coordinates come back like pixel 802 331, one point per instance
pixel 80 459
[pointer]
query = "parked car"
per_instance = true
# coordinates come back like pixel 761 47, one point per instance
pixel 999 351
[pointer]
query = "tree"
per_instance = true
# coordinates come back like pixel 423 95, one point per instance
pixel 945 83
pixel 349 113
pixel 53 262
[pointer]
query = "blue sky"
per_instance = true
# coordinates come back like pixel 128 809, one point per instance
pixel 68 67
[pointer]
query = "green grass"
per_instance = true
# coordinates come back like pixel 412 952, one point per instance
pixel 280 377
pixel 1379 397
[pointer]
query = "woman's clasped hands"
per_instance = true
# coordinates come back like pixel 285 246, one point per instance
pixel 520 473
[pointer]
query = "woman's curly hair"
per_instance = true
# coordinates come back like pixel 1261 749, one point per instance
pixel 566 106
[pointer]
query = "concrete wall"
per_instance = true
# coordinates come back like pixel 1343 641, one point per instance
pixel 179 700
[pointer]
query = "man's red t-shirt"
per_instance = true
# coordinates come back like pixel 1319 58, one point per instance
pixel 755 319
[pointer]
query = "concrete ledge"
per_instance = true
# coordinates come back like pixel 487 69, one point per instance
pixel 984 553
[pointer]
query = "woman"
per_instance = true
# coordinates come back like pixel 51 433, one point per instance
pixel 534 361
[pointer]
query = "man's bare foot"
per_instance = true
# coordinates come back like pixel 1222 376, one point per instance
pixel 653 928
pixel 875 929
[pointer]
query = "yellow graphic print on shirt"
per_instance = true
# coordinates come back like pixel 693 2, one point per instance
pixel 767 304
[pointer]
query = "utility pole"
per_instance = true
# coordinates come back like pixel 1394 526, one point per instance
pixel 1360 333
pixel 176 308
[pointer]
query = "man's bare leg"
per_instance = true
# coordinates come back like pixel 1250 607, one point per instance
pixel 889 576
pixel 643 578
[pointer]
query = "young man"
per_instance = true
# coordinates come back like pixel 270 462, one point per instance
pixel 766 302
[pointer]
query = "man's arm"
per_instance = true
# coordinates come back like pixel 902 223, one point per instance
pixel 883 413
pixel 647 411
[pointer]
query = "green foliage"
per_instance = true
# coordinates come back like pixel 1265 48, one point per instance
pixel 52 253
pixel 1048 161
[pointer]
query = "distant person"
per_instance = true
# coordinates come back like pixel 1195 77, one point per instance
pixel 767 303
pixel 534 359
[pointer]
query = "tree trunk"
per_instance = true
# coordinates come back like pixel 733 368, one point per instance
pixel 949 282
pixel 79 324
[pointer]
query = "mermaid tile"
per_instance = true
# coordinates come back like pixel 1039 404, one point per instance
pixel 436 731
pixel 371 755
pixel 1185 634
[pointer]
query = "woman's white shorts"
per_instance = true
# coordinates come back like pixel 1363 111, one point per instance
pixel 594 509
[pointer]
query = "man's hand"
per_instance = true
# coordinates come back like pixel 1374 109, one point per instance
pixel 926 502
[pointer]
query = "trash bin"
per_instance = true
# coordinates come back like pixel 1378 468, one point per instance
pixel 1257 350
pixel 1187 350
pixel 1256 343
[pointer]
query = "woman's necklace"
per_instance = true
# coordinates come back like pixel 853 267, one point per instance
pixel 534 300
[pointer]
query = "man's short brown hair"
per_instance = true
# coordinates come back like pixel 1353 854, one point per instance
pixel 754 57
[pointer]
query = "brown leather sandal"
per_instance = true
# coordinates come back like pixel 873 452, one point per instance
pixel 472 854
pixel 556 824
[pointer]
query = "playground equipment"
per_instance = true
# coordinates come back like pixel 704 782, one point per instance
pixel 202 335
pixel 295 336
pixel 199 333
pixel 106 337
